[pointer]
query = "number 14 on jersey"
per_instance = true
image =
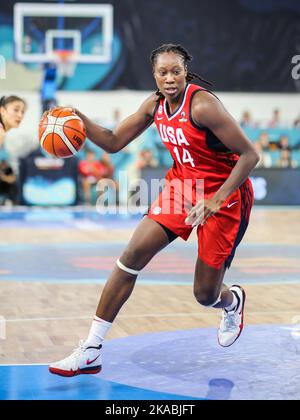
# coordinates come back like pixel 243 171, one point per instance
pixel 185 158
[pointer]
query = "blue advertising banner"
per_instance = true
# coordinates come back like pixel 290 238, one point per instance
pixel 49 182
pixel 271 186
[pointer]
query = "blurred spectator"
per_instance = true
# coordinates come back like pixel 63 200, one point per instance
pixel 297 122
pixel 247 121
pixel 92 171
pixel 107 166
pixel 8 183
pixel 284 143
pixel 117 118
pixel 276 119
pixel 286 160
pixel 146 160
pixel 12 111
pixel 263 148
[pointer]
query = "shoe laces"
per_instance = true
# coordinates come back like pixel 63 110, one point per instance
pixel 74 357
pixel 230 320
pixel 79 350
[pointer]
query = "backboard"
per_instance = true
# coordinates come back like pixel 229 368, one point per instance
pixel 40 30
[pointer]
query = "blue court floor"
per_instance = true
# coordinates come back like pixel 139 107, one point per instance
pixel 187 364
pixel 92 262
pixel 178 365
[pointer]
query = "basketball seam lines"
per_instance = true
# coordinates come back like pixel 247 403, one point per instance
pixel 77 131
pixel 45 134
pixel 66 140
pixel 74 129
pixel 70 145
pixel 61 137
pixel 53 132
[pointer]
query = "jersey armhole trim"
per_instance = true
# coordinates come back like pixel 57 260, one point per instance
pixel 155 109
pixel 193 122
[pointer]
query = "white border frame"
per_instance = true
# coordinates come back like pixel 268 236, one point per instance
pixel 66 10
pixel 59 33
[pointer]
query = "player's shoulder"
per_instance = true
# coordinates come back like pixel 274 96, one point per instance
pixel 203 97
pixel 152 100
pixel 150 104
pixel 205 101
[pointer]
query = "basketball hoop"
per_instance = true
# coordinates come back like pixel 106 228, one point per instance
pixel 66 62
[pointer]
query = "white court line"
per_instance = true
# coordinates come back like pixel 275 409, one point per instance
pixel 167 315
pixel 24 364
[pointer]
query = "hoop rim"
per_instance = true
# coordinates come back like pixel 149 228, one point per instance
pixel 66 61
pixel 64 56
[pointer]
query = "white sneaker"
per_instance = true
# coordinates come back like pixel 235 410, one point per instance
pixel 83 361
pixel 232 323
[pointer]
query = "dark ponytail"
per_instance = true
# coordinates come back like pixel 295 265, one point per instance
pixel 2 100
pixel 184 54
pixel 5 100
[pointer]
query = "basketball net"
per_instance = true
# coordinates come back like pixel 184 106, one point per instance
pixel 66 62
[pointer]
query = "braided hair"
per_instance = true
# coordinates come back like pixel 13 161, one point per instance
pixel 5 100
pixel 184 54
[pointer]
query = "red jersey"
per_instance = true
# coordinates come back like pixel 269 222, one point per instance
pixel 197 152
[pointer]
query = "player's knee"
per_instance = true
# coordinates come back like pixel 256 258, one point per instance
pixel 132 258
pixel 206 297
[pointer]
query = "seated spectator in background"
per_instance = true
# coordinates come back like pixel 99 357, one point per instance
pixel 264 141
pixel 297 122
pixel 263 148
pixel 107 167
pixel 92 171
pixel 276 119
pixel 284 143
pixel 117 117
pixel 286 160
pixel 246 121
pixel 8 183
pixel 146 160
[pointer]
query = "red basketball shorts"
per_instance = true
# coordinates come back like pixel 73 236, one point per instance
pixel 222 232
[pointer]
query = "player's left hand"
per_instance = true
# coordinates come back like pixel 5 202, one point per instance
pixel 202 211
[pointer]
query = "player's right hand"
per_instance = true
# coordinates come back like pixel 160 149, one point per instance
pixel 57 108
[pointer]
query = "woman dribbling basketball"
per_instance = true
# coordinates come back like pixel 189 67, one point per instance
pixel 206 143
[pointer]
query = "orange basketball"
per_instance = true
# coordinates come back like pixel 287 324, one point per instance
pixel 62 133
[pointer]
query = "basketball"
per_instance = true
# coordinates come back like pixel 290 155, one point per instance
pixel 62 133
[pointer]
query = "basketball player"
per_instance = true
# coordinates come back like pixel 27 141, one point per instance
pixel 205 143
pixel 12 110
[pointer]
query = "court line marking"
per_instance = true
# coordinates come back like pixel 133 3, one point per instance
pixel 148 282
pixel 24 364
pixel 190 244
pixel 167 315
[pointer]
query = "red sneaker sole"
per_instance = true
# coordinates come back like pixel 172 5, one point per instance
pixel 67 374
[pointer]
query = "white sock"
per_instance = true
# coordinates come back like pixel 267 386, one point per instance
pixel 233 305
pixel 98 331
